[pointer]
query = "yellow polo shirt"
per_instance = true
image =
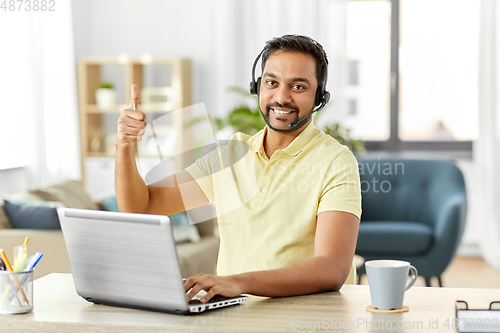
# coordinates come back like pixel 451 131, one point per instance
pixel 267 207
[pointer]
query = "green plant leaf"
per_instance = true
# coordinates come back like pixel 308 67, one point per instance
pixel 106 85
pixel 342 135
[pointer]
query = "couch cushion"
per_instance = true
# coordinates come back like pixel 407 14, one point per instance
pixel 70 193
pixel 110 204
pixel 393 237
pixel 4 220
pixel 30 216
pixel 16 198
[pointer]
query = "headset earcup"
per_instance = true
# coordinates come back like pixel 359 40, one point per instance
pixel 319 95
pixel 255 87
pixel 252 88
pixel 326 97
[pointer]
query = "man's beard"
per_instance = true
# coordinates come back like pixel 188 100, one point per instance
pixel 285 106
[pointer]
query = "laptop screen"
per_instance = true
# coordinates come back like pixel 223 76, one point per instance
pixel 123 259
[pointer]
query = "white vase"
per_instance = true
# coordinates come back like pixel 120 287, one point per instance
pixel 105 98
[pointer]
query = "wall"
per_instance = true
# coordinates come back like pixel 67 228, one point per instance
pixel 13 180
pixel 471 237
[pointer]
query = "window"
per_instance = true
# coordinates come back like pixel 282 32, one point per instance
pixel 368 53
pixel 15 82
pixel 413 73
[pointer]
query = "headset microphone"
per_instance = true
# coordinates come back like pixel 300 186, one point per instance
pixel 298 121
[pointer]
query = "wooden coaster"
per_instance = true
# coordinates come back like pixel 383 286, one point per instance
pixel 375 310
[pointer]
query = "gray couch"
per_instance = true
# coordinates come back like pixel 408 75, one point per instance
pixel 194 258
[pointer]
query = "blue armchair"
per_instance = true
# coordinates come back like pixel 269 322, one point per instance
pixel 413 210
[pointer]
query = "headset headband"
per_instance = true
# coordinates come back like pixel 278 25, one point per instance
pixel 322 96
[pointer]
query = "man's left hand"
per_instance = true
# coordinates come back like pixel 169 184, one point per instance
pixel 228 286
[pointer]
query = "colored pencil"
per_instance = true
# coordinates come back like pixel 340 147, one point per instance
pixel 9 267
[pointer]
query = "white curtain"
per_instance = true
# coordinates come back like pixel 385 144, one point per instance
pixel 38 93
pixel 487 147
pixel 241 28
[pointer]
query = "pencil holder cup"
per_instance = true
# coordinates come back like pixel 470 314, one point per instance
pixel 16 292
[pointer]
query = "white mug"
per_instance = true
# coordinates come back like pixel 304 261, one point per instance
pixel 387 280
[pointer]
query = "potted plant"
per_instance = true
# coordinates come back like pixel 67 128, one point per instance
pixel 105 96
pixel 342 135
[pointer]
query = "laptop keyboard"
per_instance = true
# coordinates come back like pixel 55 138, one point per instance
pixel 217 298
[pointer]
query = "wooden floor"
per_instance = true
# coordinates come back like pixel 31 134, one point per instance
pixel 464 272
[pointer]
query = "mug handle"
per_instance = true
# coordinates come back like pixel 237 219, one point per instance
pixel 414 275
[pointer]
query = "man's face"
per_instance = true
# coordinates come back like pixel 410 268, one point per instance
pixel 287 89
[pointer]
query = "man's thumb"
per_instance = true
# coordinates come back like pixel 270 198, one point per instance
pixel 134 94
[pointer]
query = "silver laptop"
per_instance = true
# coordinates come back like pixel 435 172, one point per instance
pixel 128 260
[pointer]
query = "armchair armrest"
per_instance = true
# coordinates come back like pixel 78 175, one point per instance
pixel 448 231
pixel 451 216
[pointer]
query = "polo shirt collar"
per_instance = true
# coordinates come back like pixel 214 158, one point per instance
pixel 256 143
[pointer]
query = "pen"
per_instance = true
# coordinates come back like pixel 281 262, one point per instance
pixel 9 267
pixel 5 260
pixel 3 267
pixel 26 240
pixel 35 261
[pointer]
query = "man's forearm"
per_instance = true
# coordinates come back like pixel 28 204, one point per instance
pixel 310 276
pixel 132 193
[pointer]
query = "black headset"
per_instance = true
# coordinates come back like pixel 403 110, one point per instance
pixel 322 96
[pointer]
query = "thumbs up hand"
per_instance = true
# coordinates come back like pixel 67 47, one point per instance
pixel 131 122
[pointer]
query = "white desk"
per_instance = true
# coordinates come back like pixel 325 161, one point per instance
pixel 57 308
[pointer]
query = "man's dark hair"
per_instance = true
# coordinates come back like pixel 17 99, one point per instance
pixel 298 43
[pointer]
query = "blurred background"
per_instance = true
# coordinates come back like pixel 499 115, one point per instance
pixel 410 78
